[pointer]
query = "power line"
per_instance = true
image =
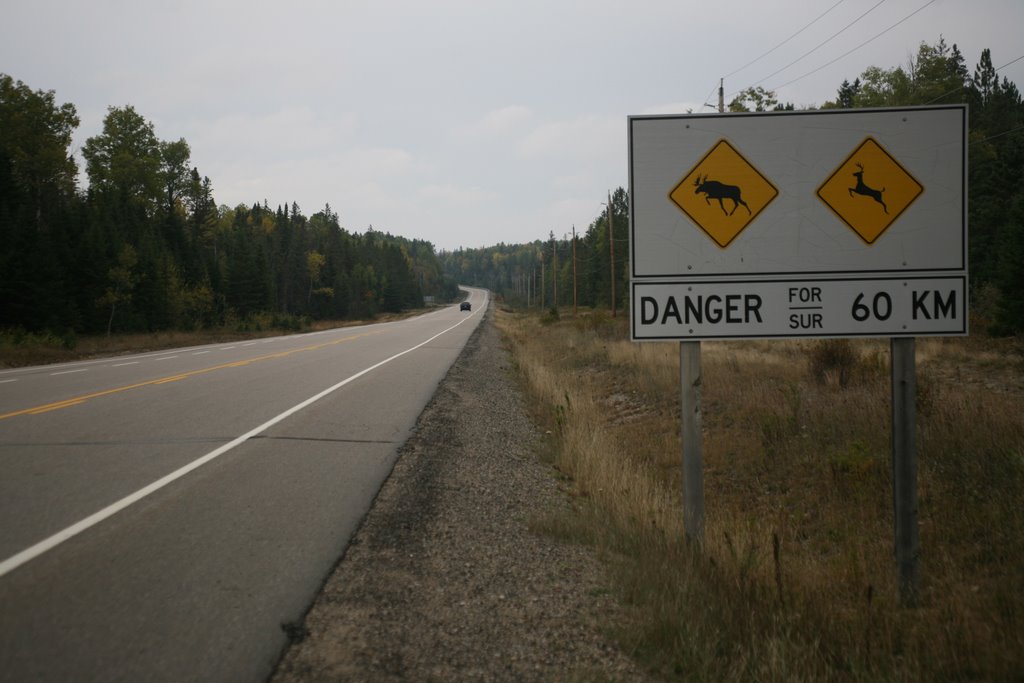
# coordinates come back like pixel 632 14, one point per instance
pixel 1009 63
pixel 756 59
pixel 849 52
pixel 998 135
pixel 708 97
pixel 818 46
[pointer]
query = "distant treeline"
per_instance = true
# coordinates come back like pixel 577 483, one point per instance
pixel 533 272
pixel 147 248
pixel 936 75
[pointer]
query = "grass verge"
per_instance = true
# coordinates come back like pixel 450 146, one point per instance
pixel 19 348
pixel 796 580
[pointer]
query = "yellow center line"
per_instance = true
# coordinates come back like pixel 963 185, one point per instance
pixel 76 400
pixel 54 406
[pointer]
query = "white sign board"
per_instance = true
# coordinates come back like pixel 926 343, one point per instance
pixel 847 203
pixel 763 309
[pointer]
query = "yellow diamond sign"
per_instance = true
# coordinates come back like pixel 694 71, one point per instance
pixel 723 193
pixel 869 190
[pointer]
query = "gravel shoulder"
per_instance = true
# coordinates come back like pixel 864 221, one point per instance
pixel 445 580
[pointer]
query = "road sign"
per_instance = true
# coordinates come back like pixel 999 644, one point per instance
pixel 806 261
pixel 797 232
pixel 869 208
pixel 863 207
pixel 713 191
pixel 819 307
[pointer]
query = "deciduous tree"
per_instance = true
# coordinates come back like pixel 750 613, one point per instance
pixel 125 158
pixel 121 281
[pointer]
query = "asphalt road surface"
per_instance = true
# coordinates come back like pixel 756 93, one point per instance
pixel 166 516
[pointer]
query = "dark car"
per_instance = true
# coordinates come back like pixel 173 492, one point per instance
pixel 465 306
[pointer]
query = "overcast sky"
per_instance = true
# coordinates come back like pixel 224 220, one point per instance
pixel 462 122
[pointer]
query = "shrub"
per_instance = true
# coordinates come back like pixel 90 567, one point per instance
pixel 834 358
pixel 551 316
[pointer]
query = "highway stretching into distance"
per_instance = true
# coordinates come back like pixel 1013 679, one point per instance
pixel 165 515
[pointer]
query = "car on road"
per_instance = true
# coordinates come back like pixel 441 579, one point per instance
pixel 465 306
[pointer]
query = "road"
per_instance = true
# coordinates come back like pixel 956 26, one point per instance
pixel 165 515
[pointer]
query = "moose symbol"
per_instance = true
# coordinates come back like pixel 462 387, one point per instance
pixel 713 189
pixel 863 189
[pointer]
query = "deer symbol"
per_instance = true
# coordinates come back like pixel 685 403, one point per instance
pixel 863 189
pixel 713 189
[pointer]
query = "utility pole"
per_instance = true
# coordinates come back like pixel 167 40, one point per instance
pixel 692 404
pixel 611 249
pixel 574 270
pixel 554 270
pixel 542 281
pixel 529 286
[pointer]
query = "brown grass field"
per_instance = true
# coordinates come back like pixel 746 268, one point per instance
pixel 797 577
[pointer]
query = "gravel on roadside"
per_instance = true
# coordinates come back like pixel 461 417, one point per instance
pixel 445 581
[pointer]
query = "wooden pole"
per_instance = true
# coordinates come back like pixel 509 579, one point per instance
pixel 691 435
pixel 542 281
pixel 574 270
pixel 554 271
pixel 691 430
pixel 904 467
pixel 611 249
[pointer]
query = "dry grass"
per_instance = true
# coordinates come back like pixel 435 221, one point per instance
pixel 797 579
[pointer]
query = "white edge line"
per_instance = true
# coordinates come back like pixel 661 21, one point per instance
pixel 30 553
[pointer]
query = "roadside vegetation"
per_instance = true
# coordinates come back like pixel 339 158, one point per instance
pixel 796 580
pixel 146 248
pixel 19 348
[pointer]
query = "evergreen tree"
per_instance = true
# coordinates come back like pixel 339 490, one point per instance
pixel 1010 274
pixel 37 205
pixel 847 95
